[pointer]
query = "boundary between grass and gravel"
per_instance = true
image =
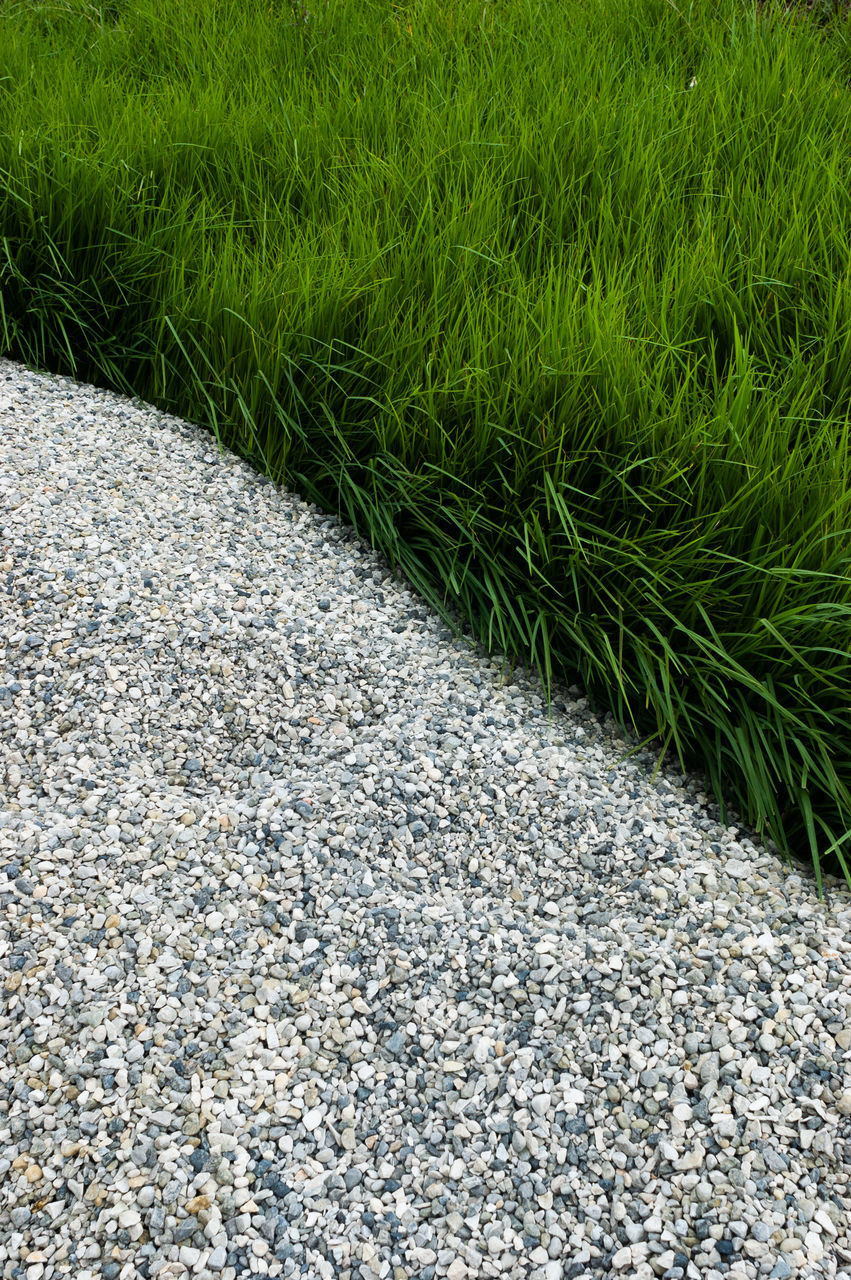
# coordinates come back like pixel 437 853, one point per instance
pixel 551 304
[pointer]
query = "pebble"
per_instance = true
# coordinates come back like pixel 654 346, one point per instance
pixel 325 951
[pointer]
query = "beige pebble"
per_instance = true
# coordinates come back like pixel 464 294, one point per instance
pixel 34 1173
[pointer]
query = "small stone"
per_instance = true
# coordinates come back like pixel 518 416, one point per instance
pixel 775 1160
pixel 843 1103
pixel 348 1138
pixel 312 1119
pixel 725 1126
pixel 813 1246
pixel 691 1159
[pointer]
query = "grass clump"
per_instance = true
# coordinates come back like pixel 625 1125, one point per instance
pixel 552 302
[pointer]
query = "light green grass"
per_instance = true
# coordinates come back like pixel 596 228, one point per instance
pixel 567 339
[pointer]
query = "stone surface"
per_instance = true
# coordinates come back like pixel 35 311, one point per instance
pixel 325 952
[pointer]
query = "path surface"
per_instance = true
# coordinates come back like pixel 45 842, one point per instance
pixel 323 953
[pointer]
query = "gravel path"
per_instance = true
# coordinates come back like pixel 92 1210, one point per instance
pixel 323 953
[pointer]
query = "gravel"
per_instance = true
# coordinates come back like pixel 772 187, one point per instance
pixel 325 952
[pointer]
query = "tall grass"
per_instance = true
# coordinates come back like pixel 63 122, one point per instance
pixel 551 301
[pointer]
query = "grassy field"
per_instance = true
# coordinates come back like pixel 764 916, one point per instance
pixel 551 301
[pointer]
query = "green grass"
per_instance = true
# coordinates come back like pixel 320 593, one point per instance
pixel 566 338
